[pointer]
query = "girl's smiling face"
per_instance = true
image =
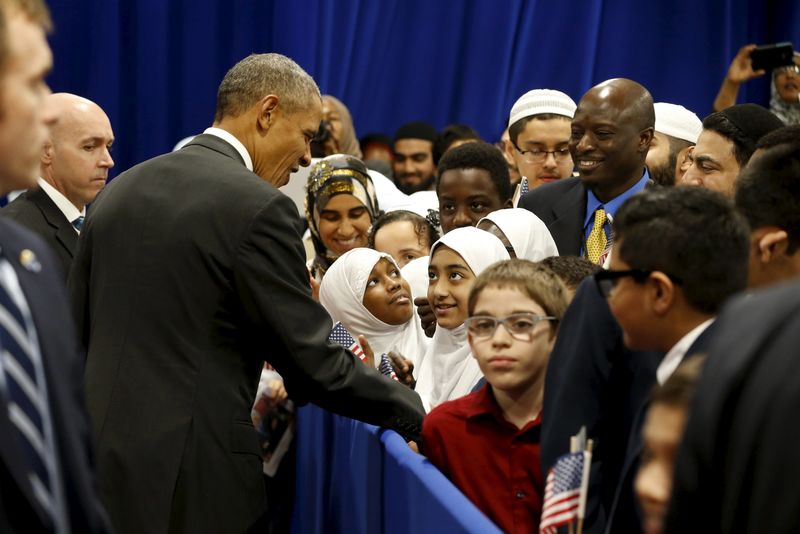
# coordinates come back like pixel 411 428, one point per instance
pixel 449 282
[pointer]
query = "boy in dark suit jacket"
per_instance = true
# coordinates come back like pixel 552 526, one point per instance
pixel 678 255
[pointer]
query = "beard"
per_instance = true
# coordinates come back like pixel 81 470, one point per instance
pixel 664 175
pixel 413 188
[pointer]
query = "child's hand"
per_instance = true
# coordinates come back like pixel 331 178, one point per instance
pixel 426 315
pixel 404 369
pixel 314 286
pixel 413 446
pixel 369 356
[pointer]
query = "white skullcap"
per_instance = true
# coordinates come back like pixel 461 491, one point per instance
pixel 541 101
pixel 677 121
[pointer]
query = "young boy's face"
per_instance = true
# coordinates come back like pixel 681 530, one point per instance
pixel 449 282
pixel 388 295
pixel 465 197
pixel 510 364
pixel 662 434
pixel 628 302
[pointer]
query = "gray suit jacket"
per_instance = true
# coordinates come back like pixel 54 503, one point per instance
pixel 190 272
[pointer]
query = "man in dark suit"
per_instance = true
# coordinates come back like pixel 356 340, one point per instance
pixel 611 134
pixel 46 475
pixel 74 167
pixel 190 272
pixel 736 469
pixel 660 297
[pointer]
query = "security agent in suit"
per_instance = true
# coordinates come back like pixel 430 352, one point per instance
pixel 181 297
pixel 75 161
pixel 46 473
pixel 611 134
pixel 735 470
pixel 660 297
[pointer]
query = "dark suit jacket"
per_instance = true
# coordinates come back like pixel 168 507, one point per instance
pixel 625 516
pixel 190 272
pixel 737 469
pixel 37 211
pixel 592 380
pixel 561 205
pixel 63 367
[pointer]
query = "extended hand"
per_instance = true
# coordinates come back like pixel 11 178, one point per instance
pixel 741 68
pixel 404 369
pixel 368 354
pixel 426 315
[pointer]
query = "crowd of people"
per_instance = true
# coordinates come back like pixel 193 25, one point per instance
pixel 612 264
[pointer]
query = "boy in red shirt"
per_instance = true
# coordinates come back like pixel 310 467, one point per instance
pixel 487 443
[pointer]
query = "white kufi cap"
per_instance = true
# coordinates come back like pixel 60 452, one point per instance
pixel 677 121
pixel 541 101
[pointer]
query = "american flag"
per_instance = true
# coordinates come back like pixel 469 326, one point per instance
pixel 340 335
pixel 562 491
pixel 386 367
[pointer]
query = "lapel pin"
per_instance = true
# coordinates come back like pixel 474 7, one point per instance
pixel 29 260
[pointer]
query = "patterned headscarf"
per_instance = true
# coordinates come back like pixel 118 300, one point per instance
pixel 338 174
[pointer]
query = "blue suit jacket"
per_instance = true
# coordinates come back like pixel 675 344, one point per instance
pixel 561 205
pixel 63 367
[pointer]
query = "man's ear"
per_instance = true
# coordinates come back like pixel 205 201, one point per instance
pixel 663 292
pixel 645 138
pixel 47 153
pixel 771 242
pixel 508 203
pixel 267 110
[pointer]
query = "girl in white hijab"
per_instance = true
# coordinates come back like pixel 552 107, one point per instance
pixel 448 370
pixel 523 233
pixel 364 291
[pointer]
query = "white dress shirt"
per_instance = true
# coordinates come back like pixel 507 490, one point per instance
pixel 229 137
pixel 675 355
pixel 62 203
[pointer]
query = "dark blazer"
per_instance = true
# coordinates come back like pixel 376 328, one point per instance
pixel 190 272
pixel 737 470
pixel 625 515
pixel 592 380
pixel 63 367
pixel 37 211
pixel 561 205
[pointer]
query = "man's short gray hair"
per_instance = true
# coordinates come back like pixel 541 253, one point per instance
pixel 259 75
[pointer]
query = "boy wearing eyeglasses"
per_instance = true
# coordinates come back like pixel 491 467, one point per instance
pixel 487 443
pixel 678 255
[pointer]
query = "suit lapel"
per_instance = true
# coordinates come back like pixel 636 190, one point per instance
pixel 568 214
pixel 64 232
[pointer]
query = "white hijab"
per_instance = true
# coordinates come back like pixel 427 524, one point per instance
pixel 342 294
pixel 448 370
pixel 526 232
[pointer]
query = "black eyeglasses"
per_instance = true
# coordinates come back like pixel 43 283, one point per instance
pixel 536 155
pixel 606 280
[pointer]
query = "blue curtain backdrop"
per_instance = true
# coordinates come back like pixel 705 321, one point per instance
pixel 154 65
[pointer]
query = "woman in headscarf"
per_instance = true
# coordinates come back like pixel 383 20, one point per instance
pixel 365 292
pixel 448 370
pixel 785 87
pixel 342 134
pixel 340 208
pixel 523 233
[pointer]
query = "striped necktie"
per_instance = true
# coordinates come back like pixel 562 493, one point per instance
pixel 78 222
pixel 597 241
pixel 26 400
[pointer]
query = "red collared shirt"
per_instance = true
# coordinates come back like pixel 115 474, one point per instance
pixel 495 464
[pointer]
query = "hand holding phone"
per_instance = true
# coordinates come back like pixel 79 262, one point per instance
pixel 768 57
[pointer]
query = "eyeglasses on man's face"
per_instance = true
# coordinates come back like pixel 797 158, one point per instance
pixel 537 155
pixel 519 325
pixel 606 280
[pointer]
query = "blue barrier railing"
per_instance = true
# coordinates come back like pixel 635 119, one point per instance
pixel 355 478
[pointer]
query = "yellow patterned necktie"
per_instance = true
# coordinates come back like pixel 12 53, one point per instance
pixel 596 242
